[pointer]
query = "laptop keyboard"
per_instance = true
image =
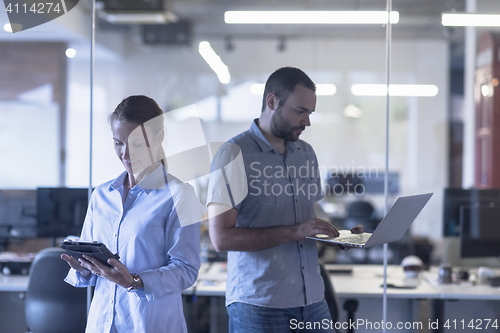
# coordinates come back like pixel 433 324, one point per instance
pixel 354 239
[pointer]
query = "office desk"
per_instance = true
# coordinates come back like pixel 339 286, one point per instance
pixel 463 303
pixel 212 280
pixel 404 305
pixel 12 289
pixel 14 283
pixel 364 285
pixel 366 282
pixel 423 304
pixel 462 291
pixel 19 283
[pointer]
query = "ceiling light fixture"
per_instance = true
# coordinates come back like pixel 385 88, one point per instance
pixel 410 90
pixel 310 17
pixel 70 53
pixel 470 20
pixel 215 62
pixel 486 90
pixel 7 27
pixel 322 89
pixel 138 18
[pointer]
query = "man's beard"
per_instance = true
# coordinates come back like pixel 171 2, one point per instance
pixel 281 128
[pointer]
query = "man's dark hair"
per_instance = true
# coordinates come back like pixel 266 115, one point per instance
pixel 283 82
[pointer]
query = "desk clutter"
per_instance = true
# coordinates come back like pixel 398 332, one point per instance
pixel 464 277
pixel 12 263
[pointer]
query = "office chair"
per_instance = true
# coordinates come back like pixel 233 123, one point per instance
pixel 360 212
pixel 51 304
pixel 351 305
pixel 330 298
pixel 360 209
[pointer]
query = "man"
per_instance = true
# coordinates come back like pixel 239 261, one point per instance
pixel 274 279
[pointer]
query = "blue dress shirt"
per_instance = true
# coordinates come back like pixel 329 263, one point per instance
pixel 152 239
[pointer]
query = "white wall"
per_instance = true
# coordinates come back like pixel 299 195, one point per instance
pixel 108 87
pixel 29 139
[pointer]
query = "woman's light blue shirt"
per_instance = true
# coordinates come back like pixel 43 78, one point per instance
pixel 155 234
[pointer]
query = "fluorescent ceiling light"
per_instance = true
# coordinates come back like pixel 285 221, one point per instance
pixel 138 18
pixel 470 20
pixel 322 89
pixel 309 17
pixel 215 62
pixel 418 90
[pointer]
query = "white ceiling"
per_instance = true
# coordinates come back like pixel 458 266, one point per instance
pixel 417 17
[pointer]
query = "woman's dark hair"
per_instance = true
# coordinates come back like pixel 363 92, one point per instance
pixel 141 110
pixel 283 82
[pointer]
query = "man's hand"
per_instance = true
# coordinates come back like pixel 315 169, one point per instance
pixel 359 229
pixel 313 227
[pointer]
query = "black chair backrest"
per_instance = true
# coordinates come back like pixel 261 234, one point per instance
pixel 330 298
pixel 360 209
pixel 52 305
pixel 360 212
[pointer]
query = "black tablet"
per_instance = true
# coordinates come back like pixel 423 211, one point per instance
pixel 95 249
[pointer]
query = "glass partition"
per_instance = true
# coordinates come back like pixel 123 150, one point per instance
pixel 165 62
pixel 45 81
pixel 44 123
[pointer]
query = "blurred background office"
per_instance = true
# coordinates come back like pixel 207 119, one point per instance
pixel 443 109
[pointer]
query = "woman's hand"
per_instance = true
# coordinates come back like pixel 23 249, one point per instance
pixel 73 263
pixel 118 273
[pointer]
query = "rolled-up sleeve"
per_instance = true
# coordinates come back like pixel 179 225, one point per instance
pixel 75 278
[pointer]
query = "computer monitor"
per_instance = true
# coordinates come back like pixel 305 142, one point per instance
pixel 17 214
pixel 455 198
pixel 340 183
pixel 61 211
pixel 480 231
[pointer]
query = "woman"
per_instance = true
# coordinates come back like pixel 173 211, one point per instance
pixel 149 218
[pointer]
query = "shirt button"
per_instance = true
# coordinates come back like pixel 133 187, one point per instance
pixel 301 245
pixel 115 235
pixel 296 200
pixel 302 267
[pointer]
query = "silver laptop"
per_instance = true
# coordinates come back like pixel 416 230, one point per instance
pixel 390 229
